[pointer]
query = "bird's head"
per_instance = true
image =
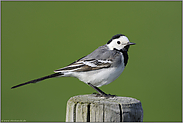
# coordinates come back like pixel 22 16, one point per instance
pixel 119 42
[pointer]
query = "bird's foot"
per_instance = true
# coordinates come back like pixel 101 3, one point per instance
pixel 97 95
pixel 105 95
pixel 109 95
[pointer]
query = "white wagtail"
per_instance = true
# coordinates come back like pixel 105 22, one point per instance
pixel 99 68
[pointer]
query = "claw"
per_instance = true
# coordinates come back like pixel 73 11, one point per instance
pixel 106 96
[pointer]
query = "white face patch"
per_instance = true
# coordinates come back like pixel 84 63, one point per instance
pixel 118 43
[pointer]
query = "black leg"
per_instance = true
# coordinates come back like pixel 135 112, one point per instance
pixel 100 91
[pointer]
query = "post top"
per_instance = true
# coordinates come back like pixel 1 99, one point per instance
pixel 91 98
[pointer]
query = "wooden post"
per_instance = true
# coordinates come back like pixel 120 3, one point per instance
pixel 89 108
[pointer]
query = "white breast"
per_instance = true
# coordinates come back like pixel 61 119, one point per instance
pixel 100 77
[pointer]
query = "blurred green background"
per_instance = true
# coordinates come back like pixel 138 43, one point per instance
pixel 39 37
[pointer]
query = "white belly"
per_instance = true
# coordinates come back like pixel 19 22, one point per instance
pixel 99 77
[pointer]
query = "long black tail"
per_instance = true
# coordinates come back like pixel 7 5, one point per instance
pixel 37 80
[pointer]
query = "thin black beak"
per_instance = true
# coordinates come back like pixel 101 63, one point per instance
pixel 130 43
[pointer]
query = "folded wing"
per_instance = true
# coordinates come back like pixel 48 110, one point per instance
pixel 85 65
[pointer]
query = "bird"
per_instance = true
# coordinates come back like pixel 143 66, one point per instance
pixel 100 67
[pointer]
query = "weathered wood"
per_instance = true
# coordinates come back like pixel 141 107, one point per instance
pixel 89 108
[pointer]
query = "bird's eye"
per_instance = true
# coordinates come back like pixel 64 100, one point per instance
pixel 118 42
